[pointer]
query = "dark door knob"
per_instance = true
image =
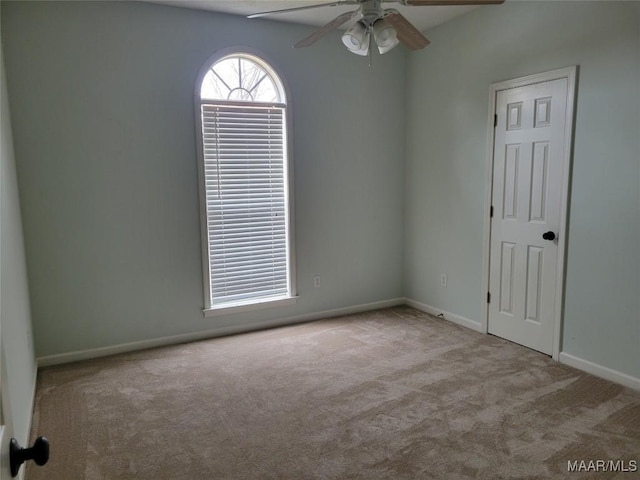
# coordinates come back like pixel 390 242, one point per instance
pixel 549 236
pixel 39 453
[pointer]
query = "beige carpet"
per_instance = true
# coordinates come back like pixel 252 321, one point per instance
pixel 391 394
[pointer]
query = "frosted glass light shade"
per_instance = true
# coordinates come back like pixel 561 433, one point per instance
pixel 356 39
pixel 385 36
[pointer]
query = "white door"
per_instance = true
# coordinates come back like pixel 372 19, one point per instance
pixel 6 430
pixel 6 427
pixel 529 161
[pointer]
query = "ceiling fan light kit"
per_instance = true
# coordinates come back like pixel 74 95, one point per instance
pixel 387 26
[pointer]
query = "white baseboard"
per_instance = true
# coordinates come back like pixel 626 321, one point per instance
pixel 600 371
pixel 567 359
pixel 78 355
pixel 465 322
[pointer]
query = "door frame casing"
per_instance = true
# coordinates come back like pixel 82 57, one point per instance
pixel 571 74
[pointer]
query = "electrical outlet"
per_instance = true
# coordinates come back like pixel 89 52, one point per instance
pixel 316 281
pixel 443 279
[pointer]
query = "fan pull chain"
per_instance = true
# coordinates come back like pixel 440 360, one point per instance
pixel 370 49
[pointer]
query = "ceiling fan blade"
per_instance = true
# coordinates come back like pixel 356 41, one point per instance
pixel 409 36
pixel 306 7
pixel 321 32
pixel 425 3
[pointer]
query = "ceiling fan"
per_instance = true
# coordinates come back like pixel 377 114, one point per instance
pixel 386 26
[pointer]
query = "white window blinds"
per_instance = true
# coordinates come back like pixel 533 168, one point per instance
pixel 246 201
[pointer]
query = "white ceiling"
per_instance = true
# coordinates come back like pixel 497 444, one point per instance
pixel 423 18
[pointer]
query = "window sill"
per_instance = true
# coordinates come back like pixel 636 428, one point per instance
pixel 247 307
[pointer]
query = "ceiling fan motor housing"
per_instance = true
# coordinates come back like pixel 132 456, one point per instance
pixel 371 11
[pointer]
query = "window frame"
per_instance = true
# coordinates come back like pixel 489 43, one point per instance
pixel 253 304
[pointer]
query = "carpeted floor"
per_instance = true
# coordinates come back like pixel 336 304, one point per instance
pixel 391 394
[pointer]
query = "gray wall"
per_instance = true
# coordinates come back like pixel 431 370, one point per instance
pixel 105 140
pixel 448 88
pixel 15 315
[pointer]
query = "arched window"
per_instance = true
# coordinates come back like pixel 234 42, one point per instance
pixel 242 78
pixel 244 180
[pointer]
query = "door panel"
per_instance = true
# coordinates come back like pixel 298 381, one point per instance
pixel 527 182
pixel 6 427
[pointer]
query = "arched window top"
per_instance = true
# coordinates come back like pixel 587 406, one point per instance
pixel 241 77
